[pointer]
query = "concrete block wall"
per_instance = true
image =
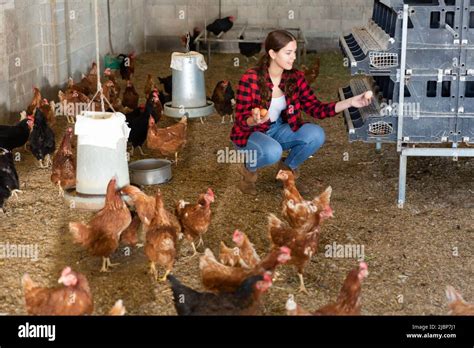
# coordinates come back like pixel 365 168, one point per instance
pixel 322 21
pixel 43 42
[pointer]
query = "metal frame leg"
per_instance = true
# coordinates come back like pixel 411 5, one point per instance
pixel 402 180
pixel 378 147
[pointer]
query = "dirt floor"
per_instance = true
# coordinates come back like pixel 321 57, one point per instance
pixel 412 253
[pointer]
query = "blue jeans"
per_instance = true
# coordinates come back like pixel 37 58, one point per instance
pixel 269 146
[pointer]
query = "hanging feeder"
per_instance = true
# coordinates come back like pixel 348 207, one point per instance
pixel 101 149
pixel 189 90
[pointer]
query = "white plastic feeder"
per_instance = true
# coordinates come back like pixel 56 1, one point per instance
pixel 101 155
pixel 189 90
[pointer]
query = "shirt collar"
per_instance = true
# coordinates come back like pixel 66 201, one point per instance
pixel 282 81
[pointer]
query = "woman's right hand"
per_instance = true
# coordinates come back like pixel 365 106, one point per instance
pixel 259 116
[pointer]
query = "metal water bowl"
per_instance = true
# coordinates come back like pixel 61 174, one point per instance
pixel 150 171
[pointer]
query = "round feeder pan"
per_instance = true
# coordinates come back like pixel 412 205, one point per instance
pixel 80 201
pixel 202 111
pixel 152 171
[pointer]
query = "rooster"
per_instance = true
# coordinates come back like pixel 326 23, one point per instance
pixel 73 298
pixel 224 99
pixel 9 182
pixel 64 165
pixel 244 301
pixel 195 218
pixel 42 141
pixel 348 302
pixel 167 141
pixel 102 234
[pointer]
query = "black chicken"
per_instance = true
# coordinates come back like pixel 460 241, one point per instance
pixel 15 136
pixel 249 49
pixel 244 301
pixel 192 45
pixel 42 142
pixel 138 122
pixel 224 99
pixel 164 98
pixel 9 183
pixel 127 66
pixel 221 25
pixel 167 84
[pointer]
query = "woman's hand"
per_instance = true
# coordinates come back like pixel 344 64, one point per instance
pixel 259 116
pixel 361 100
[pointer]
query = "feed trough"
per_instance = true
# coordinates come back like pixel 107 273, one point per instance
pixel 150 171
pixel 189 90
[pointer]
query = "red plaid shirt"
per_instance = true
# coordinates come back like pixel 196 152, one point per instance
pixel 248 98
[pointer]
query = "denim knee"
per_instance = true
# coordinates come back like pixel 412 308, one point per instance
pixel 314 134
pixel 273 153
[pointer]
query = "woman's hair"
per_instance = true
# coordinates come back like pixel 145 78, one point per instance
pixel 275 41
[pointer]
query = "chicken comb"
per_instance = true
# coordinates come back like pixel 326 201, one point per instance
pixel 285 250
pixel 267 277
pixel 237 233
pixel 210 192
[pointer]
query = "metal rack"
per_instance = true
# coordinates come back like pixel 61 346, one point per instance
pixel 233 36
pixel 426 60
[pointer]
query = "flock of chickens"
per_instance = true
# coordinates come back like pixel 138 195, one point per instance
pixel 236 280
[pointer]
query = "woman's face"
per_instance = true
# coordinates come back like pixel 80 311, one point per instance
pixel 285 57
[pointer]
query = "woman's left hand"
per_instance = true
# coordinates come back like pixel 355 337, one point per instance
pixel 361 100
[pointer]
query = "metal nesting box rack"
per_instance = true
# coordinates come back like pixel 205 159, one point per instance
pixel 258 36
pixel 417 56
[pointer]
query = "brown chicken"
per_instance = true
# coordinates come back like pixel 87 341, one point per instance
pixel 46 107
pixel 218 277
pixel 130 96
pixel 144 204
pixel 167 141
pixel 149 84
pixel 348 302
pixel 230 256
pixel 161 240
pixel 130 236
pixel 102 234
pixel 109 75
pixel 246 249
pixel 195 218
pixel 457 305
pixel 312 73
pixel 224 99
pixel 302 242
pixel 73 298
pixel 64 165
pixel 72 103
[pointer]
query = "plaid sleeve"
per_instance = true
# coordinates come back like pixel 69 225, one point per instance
pixel 310 104
pixel 243 103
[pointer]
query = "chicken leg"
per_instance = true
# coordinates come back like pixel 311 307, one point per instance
pixel 302 287
pixel 153 270
pixel 15 192
pixel 106 264
pixel 61 191
pixel 165 276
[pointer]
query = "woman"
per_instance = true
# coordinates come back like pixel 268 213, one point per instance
pixel 275 86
